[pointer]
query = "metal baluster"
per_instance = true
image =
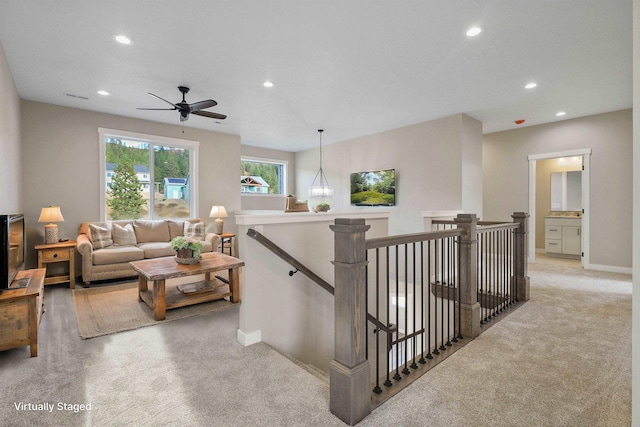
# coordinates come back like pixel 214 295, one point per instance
pixel 406 309
pixel 429 355
pixel 377 388
pixel 415 335
pixel 442 260
pixel 397 374
pixel 448 289
pixel 422 361
pixel 389 334
pixel 456 288
pixel 436 262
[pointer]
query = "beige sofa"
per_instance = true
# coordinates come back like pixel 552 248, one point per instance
pixel 108 247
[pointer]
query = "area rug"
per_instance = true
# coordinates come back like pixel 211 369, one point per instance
pixel 115 308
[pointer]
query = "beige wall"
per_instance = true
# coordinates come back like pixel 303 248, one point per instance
pixel 10 147
pixel 61 163
pixel 434 162
pixel 609 136
pixel 270 202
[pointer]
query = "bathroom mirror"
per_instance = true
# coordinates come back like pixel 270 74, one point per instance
pixel 566 191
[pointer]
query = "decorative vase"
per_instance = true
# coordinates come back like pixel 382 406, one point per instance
pixel 185 256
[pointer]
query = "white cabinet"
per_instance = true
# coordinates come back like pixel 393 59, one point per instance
pixel 563 236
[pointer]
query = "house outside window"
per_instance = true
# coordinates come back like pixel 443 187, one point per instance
pixel 263 176
pixel 146 176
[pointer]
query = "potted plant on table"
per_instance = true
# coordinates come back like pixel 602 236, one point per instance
pixel 187 249
pixel 322 207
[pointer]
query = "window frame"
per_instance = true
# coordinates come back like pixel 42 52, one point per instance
pixel 152 140
pixel 283 178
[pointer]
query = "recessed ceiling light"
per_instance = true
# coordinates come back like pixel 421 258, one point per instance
pixel 531 85
pixel 267 84
pixel 122 39
pixel 560 113
pixel 103 93
pixel 474 31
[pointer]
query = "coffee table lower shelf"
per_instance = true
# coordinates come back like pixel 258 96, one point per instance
pixel 175 299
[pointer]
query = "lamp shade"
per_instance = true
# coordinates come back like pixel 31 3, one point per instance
pixel 51 214
pixel 218 212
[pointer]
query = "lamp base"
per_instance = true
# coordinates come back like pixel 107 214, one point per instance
pixel 50 234
pixel 219 225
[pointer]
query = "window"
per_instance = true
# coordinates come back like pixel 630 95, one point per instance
pixel 146 176
pixel 263 176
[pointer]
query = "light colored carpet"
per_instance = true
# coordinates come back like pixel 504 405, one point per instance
pixel 562 359
pixel 115 308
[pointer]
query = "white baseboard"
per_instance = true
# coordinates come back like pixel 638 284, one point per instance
pixel 608 268
pixel 250 338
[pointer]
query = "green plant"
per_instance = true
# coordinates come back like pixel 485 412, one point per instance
pixel 181 242
pixel 322 207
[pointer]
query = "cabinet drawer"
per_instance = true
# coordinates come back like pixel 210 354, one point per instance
pixel 52 255
pixel 553 232
pixel 553 245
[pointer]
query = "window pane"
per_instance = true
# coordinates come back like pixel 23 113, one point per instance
pixel 136 191
pixel 127 189
pixel 171 173
pixel 261 177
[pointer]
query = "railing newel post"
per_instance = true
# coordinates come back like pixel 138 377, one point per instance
pixel 349 371
pixel 469 305
pixel 521 278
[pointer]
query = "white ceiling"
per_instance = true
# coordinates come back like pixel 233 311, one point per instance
pixel 352 67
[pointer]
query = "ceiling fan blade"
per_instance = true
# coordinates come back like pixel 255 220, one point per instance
pixel 202 105
pixel 162 99
pixel 158 109
pixel 210 115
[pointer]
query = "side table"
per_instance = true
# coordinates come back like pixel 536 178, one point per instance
pixel 230 239
pixel 58 252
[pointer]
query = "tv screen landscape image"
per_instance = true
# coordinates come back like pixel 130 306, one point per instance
pixel 373 188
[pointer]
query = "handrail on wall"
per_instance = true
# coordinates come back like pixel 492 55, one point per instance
pixel 307 272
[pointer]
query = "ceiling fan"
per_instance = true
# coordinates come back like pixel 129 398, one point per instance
pixel 185 108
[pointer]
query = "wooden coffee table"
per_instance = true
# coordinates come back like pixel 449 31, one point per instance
pixel 158 270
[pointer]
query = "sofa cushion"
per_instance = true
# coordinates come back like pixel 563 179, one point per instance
pixel 156 249
pixel 116 254
pixel 194 230
pixel 123 236
pixel 151 231
pixel 176 227
pixel 100 235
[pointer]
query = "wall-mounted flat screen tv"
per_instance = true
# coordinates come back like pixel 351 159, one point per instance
pixel 373 188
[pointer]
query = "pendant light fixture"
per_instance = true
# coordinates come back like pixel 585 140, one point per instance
pixel 322 190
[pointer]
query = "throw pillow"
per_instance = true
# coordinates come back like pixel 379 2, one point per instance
pixel 151 231
pixel 100 235
pixel 195 231
pixel 123 235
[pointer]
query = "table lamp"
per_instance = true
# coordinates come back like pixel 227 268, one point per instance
pixel 51 214
pixel 218 212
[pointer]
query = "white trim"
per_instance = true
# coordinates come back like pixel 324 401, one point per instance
pixel 586 201
pixel 192 146
pixel 252 218
pixel 608 268
pixel 532 212
pixel 247 339
pixel 586 216
pixel 440 214
pixel 569 153
pixel 187 143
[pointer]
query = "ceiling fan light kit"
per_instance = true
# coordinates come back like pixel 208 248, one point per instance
pixel 185 109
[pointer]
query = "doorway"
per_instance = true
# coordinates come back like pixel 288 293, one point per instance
pixel 586 162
